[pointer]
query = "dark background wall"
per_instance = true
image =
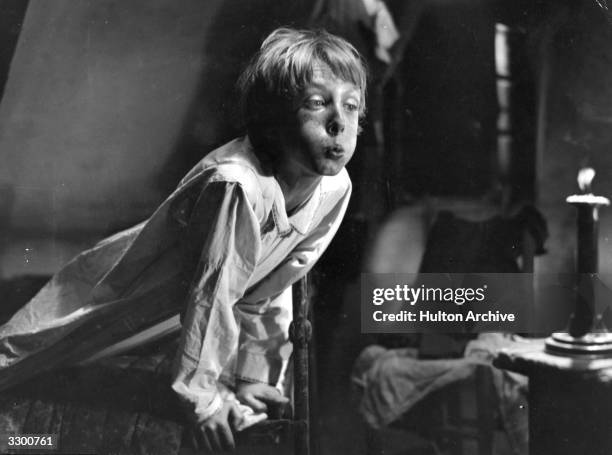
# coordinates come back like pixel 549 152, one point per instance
pixel 449 77
pixel 108 102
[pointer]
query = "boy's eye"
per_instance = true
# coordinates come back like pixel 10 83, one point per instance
pixel 351 107
pixel 314 102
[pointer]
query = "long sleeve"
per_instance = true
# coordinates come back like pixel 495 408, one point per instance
pixel 224 244
pixel 264 338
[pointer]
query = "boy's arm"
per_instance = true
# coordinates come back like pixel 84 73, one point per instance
pixel 223 243
pixel 263 339
pixel 264 346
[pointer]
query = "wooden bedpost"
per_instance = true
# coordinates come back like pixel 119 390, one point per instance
pixel 300 333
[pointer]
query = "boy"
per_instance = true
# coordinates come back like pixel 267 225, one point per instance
pixel 244 224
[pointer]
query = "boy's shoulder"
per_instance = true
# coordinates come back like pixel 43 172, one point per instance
pixel 235 162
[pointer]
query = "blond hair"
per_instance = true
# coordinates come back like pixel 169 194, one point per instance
pixel 283 66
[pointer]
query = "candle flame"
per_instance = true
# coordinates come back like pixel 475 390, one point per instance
pixel 585 178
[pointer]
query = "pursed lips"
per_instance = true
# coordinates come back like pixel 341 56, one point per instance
pixel 334 151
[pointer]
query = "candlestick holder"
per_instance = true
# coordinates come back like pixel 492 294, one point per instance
pixel 584 337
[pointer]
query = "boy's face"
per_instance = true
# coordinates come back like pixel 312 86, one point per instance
pixel 321 135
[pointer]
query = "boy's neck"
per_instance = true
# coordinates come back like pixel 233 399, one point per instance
pixel 296 188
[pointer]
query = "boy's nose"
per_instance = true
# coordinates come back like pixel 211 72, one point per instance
pixel 336 124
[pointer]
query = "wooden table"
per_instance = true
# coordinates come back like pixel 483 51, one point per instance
pixel 570 400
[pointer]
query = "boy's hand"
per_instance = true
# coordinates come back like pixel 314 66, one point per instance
pixel 215 433
pixel 260 396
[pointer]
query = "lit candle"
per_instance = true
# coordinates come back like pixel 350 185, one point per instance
pixel 587 204
pixel 583 339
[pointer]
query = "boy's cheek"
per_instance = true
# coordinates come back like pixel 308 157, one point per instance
pixel 355 127
pixel 353 133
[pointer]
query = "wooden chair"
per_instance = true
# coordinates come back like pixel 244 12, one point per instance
pixel 298 428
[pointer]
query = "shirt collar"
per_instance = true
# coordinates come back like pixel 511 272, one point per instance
pixel 301 219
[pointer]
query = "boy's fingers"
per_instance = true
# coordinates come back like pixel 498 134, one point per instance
pixel 206 441
pixel 226 439
pixel 254 403
pixel 213 439
pixel 235 416
pixel 273 396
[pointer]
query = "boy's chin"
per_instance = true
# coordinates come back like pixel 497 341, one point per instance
pixel 329 167
pixel 330 171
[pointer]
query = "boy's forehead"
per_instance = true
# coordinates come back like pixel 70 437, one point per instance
pixel 322 74
pixel 322 71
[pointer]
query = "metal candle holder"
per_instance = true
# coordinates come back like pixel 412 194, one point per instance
pixel 582 339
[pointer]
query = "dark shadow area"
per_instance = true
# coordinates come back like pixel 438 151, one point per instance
pixel 11 19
